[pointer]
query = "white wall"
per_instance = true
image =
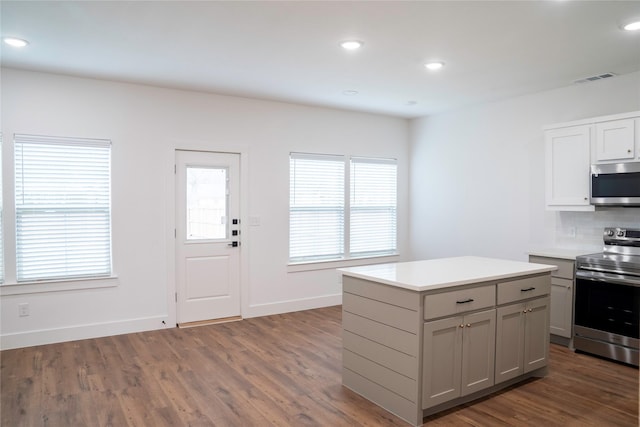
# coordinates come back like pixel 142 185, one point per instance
pixel 477 175
pixel 476 187
pixel 146 124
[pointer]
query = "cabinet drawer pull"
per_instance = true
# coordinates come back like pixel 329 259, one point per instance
pixel 464 301
pixel 527 290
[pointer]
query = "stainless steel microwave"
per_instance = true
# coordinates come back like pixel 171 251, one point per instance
pixel 615 184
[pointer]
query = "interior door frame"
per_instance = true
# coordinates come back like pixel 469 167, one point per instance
pixel 170 185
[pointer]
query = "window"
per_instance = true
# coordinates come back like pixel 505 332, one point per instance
pixel 316 207
pixel 335 215
pixel 373 207
pixel 63 208
pixel 207 199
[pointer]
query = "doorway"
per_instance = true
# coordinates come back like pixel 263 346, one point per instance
pixel 207 236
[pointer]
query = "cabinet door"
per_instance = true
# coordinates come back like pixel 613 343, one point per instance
pixel 568 157
pixel 561 307
pixel 478 351
pixel 509 341
pixel 615 140
pixel 442 357
pixel 536 335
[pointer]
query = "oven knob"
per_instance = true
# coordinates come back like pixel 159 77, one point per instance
pixel 620 233
pixel 610 233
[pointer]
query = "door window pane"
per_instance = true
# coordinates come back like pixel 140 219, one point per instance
pixel 206 203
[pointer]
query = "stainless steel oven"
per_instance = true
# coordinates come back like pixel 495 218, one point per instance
pixel 607 299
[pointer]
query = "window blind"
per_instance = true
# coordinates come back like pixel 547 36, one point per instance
pixel 316 207
pixel 63 207
pixel 373 212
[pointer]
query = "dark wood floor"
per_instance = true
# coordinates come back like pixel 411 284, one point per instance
pixel 282 370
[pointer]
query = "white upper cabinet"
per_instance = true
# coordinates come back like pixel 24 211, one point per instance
pixel 568 157
pixel 615 140
pixel 571 148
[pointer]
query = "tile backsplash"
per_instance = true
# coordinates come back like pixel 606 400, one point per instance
pixel 584 229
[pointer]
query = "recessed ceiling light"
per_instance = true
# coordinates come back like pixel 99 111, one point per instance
pixel 351 44
pixel 15 42
pixel 350 92
pixel 436 65
pixel 632 26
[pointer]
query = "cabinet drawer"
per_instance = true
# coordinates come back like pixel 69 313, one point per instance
pixel 522 289
pixel 565 267
pixel 565 283
pixel 448 303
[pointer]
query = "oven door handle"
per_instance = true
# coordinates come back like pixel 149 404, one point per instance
pixel 599 276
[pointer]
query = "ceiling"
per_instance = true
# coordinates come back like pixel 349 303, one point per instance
pixel 290 50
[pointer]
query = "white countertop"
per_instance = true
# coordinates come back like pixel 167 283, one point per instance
pixel 562 253
pixel 445 272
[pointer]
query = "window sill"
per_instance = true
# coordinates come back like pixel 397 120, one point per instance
pixel 57 285
pixel 342 263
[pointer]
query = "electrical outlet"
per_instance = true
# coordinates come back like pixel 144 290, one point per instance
pixel 23 309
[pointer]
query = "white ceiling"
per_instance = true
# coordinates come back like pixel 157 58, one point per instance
pixel 289 51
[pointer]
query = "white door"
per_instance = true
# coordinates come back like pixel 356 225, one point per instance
pixel 207 236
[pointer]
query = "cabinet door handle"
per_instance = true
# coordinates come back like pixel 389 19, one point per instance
pixel 527 290
pixel 464 301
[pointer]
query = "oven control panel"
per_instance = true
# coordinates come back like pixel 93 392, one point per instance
pixel 621 236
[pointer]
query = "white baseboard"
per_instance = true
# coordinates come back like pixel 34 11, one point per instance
pixel 292 305
pixel 73 333
pixel 97 330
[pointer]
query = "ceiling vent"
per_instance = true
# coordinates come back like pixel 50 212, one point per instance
pixel 594 78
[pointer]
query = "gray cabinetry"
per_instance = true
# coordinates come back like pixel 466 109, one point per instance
pixel 561 306
pixel 458 356
pixel 522 343
pixel 536 338
pixel 418 352
pixel 380 342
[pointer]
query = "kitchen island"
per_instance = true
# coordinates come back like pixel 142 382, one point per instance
pixel 423 336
